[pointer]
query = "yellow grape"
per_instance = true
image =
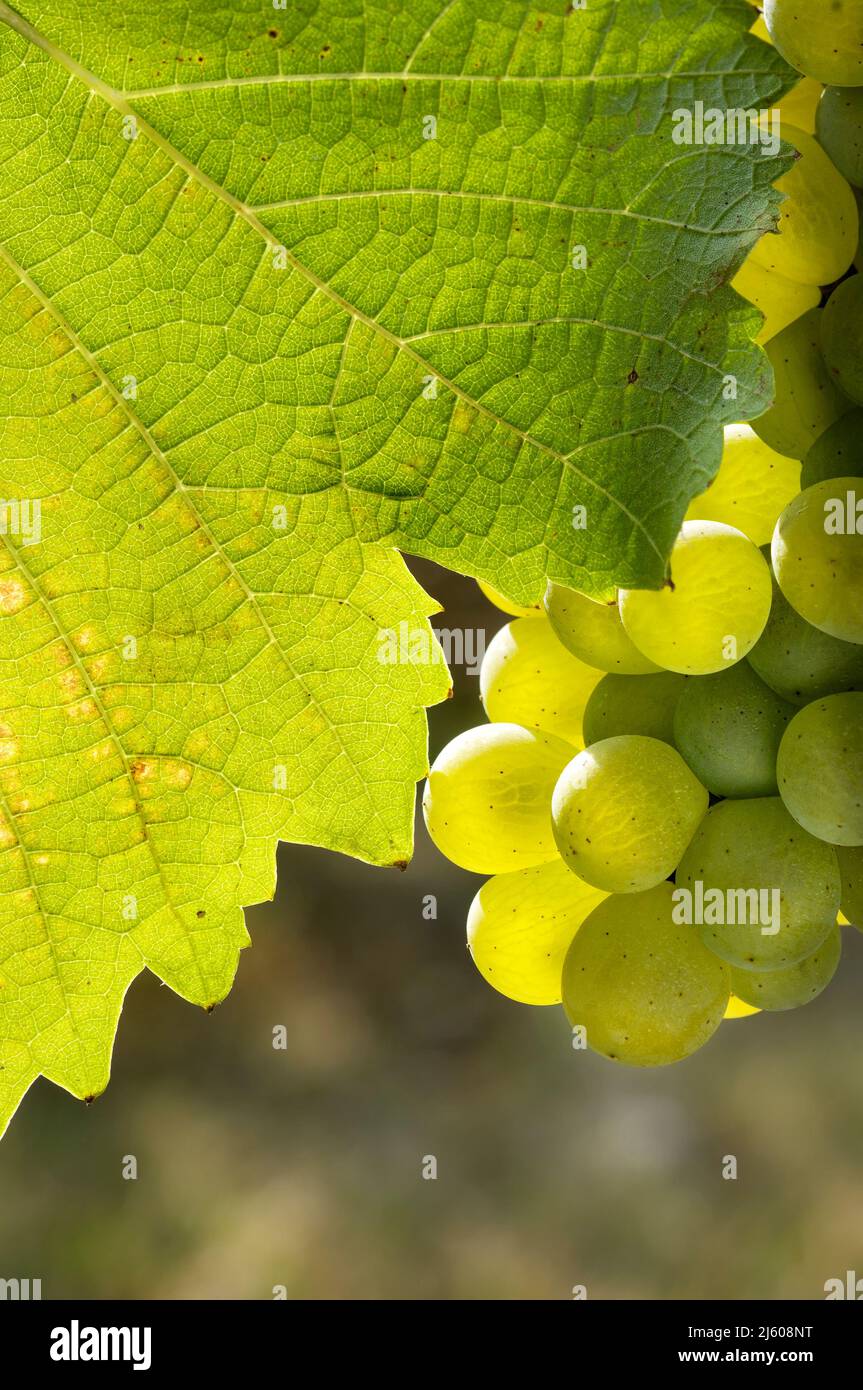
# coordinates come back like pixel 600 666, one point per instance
pixel 806 397
pixel 738 1008
pixel 645 990
pixel 528 677
pixel 760 30
pixel 715 608
pixel 819 768
pixel 793 985
pixel 780 300
pixel 624 811
pixel 520 926
pixel 506 605
pixel 487 801
pixel 818 222
pixel 821 38
pixel 768 891
pixel 799 106
pixel 818 567
pixel 752 488
pixel 593 632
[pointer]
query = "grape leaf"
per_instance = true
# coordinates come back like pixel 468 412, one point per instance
pixel 285 289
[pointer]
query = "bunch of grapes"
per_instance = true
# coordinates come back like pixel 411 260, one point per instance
pixel 668 797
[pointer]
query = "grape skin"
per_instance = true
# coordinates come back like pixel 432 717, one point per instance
pixel 715 609
pixel 633 705
pixel 818 222
pixel 594 632
pixel 820 768
pixel 486 801
pixel 728 727
pixel 752 488
pixel 836 453
pixel 821 38
pixel 645 990
pixel 738 1008
pixel 527 677
pixel 756 844
pixel 820 574
pixel 793 986
pixel 780 300
pixel 842 336
pixel 807 400
pixel 506 605
pixel 624 811
pixel 800 662
pixel 839 125
pixel 799 107
pixel 520 926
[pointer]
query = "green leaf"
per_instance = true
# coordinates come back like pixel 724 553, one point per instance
pixel 283 291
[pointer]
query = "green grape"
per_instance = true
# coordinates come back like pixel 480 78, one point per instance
pixel 806 399
pixel 842 335
pixel 633 705
pixel 793 985
pixel 528 678
pixel 487 798
pixel 818 222
pixel 837 453
pixel 839 125
pixel 506 605
pixel 820 768
pixel 851 868
pixel 645 990
pixel 713 611
pixel 753 486
pixel 821 38
pixel 738 1008
pixel 799 107
pixel 780 300
pixel 752 860
pixel 520 925
pixel 624 811
pixel 818 566
pixel 799 661
pixel 728 727
pixel 593 632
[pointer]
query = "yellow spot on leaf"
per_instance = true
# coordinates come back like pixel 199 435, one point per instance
pixel 86 638
pixel 82 711
pixel 100 751
pixel 143 769
pixel 13 596
pixel 463 418
pixel 70 682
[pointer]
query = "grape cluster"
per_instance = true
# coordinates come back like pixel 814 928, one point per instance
pixel 669 793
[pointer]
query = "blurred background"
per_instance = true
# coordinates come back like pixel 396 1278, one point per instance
pixel 304 1167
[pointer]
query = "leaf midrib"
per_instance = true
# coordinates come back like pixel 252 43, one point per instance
pixel 277 78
